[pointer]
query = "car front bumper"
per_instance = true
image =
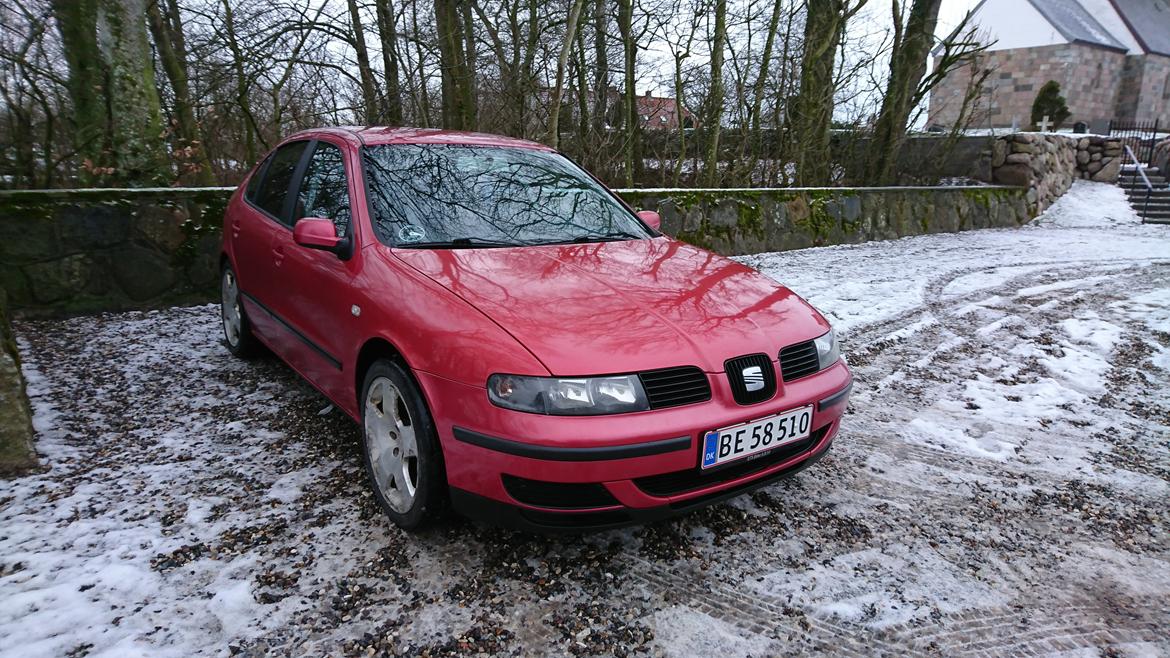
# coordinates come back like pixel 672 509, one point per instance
pixel 608 471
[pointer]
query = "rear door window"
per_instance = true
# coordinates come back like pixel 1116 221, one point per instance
pixel 273 191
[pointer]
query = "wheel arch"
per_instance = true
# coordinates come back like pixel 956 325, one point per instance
pixel 373 349
pixel 376 348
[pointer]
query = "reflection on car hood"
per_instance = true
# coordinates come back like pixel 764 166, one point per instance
pixel 624 306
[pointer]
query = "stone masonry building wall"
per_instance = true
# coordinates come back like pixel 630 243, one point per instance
pixel 1145 89
pixel 1090 81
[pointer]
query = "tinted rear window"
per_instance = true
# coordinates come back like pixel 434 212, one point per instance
pixel 274 189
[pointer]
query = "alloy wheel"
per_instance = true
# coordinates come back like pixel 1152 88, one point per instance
pixel 392 444
pixel 230 308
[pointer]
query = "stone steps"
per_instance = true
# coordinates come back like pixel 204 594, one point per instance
pixel 1154 208
pixel 1138 184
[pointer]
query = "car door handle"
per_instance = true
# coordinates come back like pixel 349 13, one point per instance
pixel 235 228
pixel 278 254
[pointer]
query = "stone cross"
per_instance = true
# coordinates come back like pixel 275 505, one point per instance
pixel 1044 123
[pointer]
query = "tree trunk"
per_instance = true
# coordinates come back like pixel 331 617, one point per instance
pixel 135 111
pixel 456 114
pixel 912 42
pixel 366 74
pixel 583 119
pixel 682 129
pixel 753 143
pixel 388 34
pixel 470 98
pixel 715 104
pixel 811 114
pixel 631 149
pixel 117 110
pixel 424 114
pixel 77 20
pixel 172 52
pixel 562 61
pixel 243 99
pixel 601 73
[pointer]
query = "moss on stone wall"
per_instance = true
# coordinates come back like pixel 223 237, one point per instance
pixel 16 432
pixel 85 250
pixel 72 251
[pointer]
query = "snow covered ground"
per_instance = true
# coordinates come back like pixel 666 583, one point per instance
pixel 1001 485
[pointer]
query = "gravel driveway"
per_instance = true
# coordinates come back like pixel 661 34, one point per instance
pixel 1001 485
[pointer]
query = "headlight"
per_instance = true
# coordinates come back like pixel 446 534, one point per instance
pixel 578 396
pixel 827 349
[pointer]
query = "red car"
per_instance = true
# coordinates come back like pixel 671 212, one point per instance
pixel 513 338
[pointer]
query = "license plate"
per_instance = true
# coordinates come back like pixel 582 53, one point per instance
pixel 740 441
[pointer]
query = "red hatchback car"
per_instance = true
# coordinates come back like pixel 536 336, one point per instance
pixel 513 338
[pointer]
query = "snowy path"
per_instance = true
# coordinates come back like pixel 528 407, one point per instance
pixel 1001 484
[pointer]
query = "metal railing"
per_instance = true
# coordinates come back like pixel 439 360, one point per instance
pixel 1142 135
pixel 1140 170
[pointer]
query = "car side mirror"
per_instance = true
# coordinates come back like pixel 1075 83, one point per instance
pixel 319 233
pixel 651 218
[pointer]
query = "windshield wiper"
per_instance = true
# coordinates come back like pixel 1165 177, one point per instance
pixel 606 237
pixel 464 242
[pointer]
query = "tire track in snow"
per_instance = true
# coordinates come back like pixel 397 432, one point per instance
pixel 1043 625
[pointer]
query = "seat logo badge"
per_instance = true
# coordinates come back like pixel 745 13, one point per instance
pixel 753 378
pixel 356 310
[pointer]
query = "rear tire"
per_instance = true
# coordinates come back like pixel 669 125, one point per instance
pixel 237 331
pixel 400 449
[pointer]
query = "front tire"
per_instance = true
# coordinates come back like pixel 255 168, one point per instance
pixel 237 331
pixel 400 448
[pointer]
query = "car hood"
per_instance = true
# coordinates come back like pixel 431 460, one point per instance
pixel 624 306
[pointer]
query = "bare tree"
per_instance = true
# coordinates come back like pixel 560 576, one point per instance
pixel 166 26
pixel 388 34
pixel 810 115
pixel 457 81
pixel 369 88
pixel 562 62
pixel 716 100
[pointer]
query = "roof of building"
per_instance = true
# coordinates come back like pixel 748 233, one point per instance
pixel 1149 21
pixel 1075 24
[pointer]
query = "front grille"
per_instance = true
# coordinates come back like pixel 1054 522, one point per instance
pixel 677 482
pixel 672 387
pixel 799 360
pixel 744 371
pixel 558 495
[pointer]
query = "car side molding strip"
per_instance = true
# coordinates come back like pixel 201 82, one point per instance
pixel 333 361
pixel 552 453
pixel 835 398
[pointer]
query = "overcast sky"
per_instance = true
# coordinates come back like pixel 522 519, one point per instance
pixel 952 12
pixel 874 20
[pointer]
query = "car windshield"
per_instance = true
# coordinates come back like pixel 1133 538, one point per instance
pixel 424 195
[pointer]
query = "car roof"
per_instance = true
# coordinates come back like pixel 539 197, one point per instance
pixel 378 135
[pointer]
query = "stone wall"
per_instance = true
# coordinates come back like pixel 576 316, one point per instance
pixel 16 432
pixel 84 250
pixel 923 159
pixel 1047 163
pixel 1161 158
pixel 80 251
pixel 746 221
